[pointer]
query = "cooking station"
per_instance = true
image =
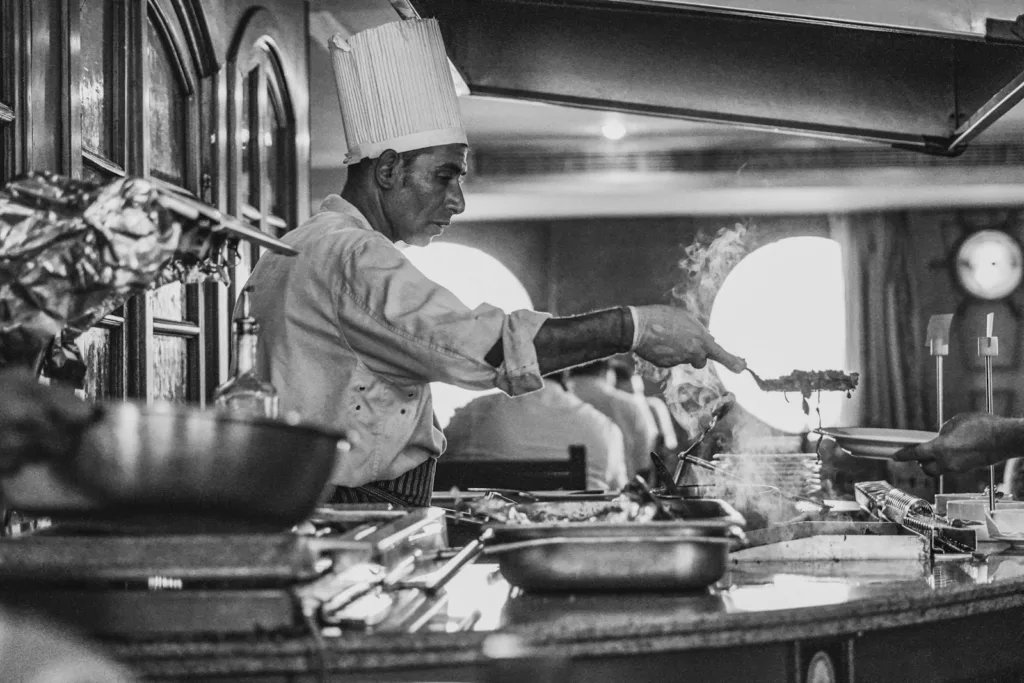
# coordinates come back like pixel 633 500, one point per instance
pixel 375 594
pixel 185 532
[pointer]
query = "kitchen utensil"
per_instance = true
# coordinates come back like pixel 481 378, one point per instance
pixel 664 475
pixel 169 459
pixel 757 378
pixel 647 496
pixel 874 442
pixel 506 493
pixel 718 410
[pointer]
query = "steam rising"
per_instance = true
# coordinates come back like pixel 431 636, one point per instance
pixel 687 390
pixel 691 392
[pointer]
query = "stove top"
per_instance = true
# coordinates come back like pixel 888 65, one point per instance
pixel 112 583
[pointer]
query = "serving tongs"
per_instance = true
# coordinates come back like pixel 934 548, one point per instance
pixel 721 406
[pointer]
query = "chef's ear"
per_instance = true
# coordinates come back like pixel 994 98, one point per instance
pixel 388 169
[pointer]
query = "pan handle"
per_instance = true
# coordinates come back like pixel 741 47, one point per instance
pixel 435 580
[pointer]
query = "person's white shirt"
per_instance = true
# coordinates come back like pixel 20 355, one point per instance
pixel 539 426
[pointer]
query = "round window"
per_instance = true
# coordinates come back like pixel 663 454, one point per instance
pixel 782 308
pixel 474 277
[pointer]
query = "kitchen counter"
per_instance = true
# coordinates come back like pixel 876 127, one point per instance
pixel 962 619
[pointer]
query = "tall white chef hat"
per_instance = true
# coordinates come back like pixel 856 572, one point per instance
pixel 395 89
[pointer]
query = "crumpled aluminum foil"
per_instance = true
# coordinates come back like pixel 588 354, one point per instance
pixel 73 251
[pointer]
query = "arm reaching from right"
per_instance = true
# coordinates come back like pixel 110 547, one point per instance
pixel 966 442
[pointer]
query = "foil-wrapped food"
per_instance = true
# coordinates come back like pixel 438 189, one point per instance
pixel 73 251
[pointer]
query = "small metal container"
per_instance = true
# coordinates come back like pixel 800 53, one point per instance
pixel 596 556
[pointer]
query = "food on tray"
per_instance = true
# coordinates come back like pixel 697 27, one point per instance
pixel 618 510
pixel 807 382
pixel 612 512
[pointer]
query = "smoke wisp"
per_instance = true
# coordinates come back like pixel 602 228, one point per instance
pixel 688 391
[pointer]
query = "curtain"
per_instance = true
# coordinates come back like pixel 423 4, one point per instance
pixel 886 332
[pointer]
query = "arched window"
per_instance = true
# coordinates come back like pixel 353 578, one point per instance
pixel 783 308
pixel 153 348
pixel 10 56
pixel 265 176
pixel 475 277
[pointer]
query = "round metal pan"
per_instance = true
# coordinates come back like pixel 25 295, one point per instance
pixel 174 460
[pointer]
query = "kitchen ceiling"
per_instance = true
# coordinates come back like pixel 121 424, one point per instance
pixel 499 126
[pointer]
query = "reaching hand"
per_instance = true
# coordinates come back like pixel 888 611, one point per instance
pixel 668 336
pixel 967 442
pixel 37 422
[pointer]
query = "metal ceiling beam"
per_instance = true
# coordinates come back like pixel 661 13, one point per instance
pixel 923 92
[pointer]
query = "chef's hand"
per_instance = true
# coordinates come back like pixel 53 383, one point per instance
pixel 669 336
pixel 966 442
pixel 37 422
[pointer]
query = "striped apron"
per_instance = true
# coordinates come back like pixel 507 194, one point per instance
pixel 412 489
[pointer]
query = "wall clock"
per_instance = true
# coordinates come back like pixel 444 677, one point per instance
pixel 989 264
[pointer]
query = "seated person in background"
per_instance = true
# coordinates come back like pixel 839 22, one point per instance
pixel 538 426
pixel 595 384
pixel 626 380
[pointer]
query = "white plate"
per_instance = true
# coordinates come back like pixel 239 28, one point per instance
pixel 875 442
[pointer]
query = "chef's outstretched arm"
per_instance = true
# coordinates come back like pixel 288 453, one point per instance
pixel 966 442
pixel 664 335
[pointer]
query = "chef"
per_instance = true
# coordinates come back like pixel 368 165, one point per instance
pixel 352 333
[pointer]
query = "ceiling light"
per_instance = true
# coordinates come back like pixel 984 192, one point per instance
pixel 613 130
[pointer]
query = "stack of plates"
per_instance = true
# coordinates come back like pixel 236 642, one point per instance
pixel 793 473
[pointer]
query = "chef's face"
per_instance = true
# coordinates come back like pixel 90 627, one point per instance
pixel 427 194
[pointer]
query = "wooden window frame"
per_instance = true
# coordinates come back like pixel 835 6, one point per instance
pixel 143 325
pixel 13 83
pixel 256 52
pixel 180 25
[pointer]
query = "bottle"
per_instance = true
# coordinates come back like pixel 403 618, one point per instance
pixel 245 394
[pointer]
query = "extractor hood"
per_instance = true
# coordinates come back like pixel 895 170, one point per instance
pixel 927 75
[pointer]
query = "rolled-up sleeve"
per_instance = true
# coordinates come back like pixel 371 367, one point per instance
pixel 410 328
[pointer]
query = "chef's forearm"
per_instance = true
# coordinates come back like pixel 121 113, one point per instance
pixel 565 342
